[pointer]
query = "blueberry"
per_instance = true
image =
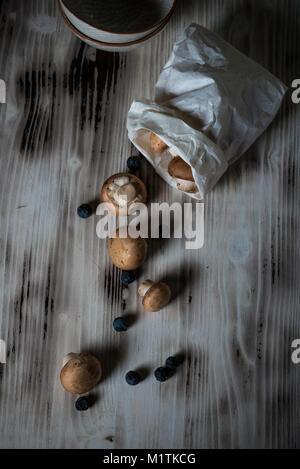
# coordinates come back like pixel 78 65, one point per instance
pixel 173 362
pixel 84 211
pixel 82 403
pixel 134 163
pixel 163 373
pixel 120 324
pixel 127 277
pixel 133 378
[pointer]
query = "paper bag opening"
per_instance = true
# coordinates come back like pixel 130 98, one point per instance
pixel 206 160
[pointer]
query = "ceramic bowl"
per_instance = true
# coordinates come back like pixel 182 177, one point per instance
pixel 110 47
pixel 117 21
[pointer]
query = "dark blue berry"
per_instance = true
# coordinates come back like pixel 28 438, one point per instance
pixel 173 362
pixel 84 211
pixel 120 324
pixel 82 403
pixel 127 277
pixel 163 373
pixel 134 163
pixel 133 378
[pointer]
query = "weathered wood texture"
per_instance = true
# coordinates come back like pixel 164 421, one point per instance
pixel 63 130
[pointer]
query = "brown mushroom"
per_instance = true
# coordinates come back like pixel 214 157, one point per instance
pixel 122 191
pixel 80 373
pixel 155 295
pixel 125 252
pixel 180 170
pixel 157 144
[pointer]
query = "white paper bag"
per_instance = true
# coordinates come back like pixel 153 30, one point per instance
pixel 211 104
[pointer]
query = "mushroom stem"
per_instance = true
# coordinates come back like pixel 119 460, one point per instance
pixel 68 357
pixel 144 287
pixel 121 181
pixel 121 191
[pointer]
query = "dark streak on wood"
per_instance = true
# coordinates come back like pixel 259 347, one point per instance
pixel 189 362
pixel 81 77
pixel 21 300
pixel 46 308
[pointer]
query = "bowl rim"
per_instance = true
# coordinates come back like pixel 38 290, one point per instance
pixel 110 44
pixel 115 32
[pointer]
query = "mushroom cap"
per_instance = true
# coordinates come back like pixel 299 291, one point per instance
pixel 179 169
pixel 127 253
pixel 113 206
pixel 157 144
pixel 157 297
pixel 81 373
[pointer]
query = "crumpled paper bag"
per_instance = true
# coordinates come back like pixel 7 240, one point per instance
pixel 211 104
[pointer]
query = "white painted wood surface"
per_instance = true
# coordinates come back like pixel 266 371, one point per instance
pixel 63 131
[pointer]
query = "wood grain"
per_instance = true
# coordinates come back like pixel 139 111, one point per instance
pixel 63 132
